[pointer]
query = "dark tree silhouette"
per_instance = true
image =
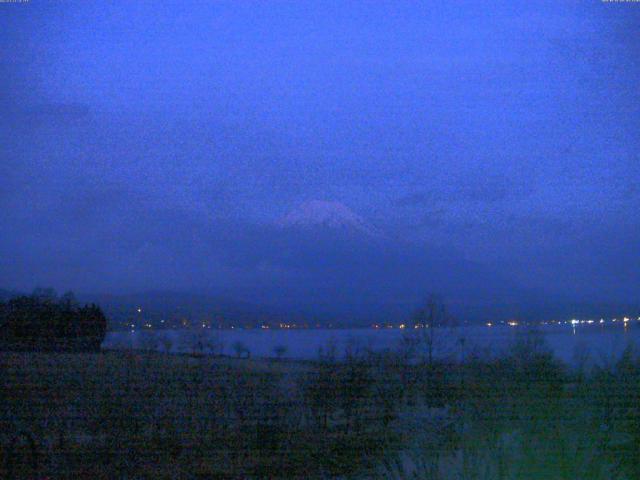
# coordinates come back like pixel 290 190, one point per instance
pixel 280 351
pixel 431 315
pixel 41 321
pixel 242 351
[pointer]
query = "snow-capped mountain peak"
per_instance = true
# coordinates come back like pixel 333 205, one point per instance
pixel 327 214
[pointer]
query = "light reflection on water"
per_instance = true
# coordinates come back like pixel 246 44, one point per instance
pixel 601 343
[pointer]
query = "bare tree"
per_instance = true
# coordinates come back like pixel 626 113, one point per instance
pixel 280 351
pixel 216 343
pixel 319 389
pixel 148 341
pixel 242 351
pixel 167 343
pixel 429 317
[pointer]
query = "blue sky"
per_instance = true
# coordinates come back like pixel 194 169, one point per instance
pixel 504 133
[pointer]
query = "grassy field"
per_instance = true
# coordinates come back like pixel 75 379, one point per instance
pixel 152 415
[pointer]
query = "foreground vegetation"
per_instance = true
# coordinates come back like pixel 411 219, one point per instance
pixel 524 416
pixel 151 415
pixel 370 415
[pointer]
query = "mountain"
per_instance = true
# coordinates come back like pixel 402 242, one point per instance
pixel 338 265
pixel 328 215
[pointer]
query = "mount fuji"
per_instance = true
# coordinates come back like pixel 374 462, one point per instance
pixel 329 216
pixel 326 261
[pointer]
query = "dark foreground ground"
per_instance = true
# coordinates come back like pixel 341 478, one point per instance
pixel 152 415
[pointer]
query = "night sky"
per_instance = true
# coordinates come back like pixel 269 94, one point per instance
pixel 485 150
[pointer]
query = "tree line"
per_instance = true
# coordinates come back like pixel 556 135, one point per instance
pixel 45 322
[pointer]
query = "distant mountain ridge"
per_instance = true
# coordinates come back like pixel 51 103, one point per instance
pixel 226 311
pixel 323 263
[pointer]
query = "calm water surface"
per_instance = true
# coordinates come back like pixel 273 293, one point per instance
pixel 598 343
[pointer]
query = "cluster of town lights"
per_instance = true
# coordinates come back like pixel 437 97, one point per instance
pixel 284 326
pixel 515 323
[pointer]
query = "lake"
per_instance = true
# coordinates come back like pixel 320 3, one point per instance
pixel 598 343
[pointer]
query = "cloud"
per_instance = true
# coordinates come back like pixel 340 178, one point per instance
pixel 492 189
pixel 59 111
pixel 54 113
pixel 481 189
pixel 416 199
